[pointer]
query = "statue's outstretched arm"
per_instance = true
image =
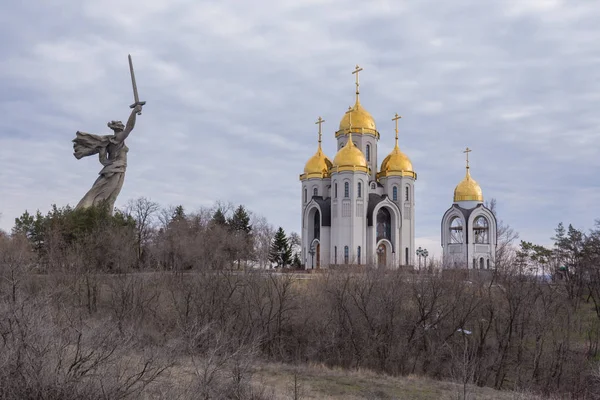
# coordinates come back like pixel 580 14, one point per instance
pixel 121 136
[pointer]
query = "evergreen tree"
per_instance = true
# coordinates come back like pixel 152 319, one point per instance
pixel 241 231
pixel 178 214
pixel 240 220
pixel 280 253
pixel 297 263
pixel 219 217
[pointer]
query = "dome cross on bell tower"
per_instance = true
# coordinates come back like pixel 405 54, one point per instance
pixel 467 151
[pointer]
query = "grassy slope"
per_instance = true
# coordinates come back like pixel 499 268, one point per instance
pixel 318 382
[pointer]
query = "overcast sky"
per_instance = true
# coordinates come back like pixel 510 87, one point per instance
pixel 233 89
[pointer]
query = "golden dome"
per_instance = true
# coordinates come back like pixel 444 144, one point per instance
pixel 468 189
pixel 317 166
pixel 362 121
pixel 350 158
pixel 358 120
pixel 396 163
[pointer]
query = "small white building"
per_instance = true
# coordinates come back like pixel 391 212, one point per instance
pixel 469 229
pixel 353 212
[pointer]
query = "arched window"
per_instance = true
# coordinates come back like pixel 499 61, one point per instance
pixel 335 254
pixel 406 255
pixel 395 193
pixel 368 152
pixel 346 254
pixel 481 263
pixel 456 231
pixel 305 195
pixel 406 193
pixel 346 189
pixel 358 254
pixel 335 190
pixel 315 191
pixel 373 186
pixel 480 230
pixel 317 225
pixel 359 189
pixel 384 224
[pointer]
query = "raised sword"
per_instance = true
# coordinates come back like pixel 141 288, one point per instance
pixel 136 98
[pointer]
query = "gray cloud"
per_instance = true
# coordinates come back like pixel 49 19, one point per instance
pixel 233 89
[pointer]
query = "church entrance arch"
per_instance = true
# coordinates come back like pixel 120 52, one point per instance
pixel 384 252
pixel 315 252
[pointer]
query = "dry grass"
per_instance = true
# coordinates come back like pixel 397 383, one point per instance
pixel 320 382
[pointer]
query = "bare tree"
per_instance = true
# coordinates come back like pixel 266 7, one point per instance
pixel 263 237
pixel 16 258
pixel 143 211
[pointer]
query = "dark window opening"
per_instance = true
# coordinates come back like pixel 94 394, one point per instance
pixel 384 224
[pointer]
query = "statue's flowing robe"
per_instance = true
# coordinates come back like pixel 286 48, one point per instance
pixel 108 185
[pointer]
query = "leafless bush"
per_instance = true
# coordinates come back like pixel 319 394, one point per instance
pixel 58 354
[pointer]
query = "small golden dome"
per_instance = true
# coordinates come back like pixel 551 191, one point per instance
pixel 397 164
pixel 362 121
pixel 317 166
pixel 468 189
pixel 350 158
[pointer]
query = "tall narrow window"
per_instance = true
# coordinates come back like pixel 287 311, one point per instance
pixel 335 190
pixel 488 263
pixel 456 231
pixel 368 151
pixel 480 230
pixel 359 189
pixel 384 224
pixel 315 191
pixel 305 195
pixel 406 193
pixel 346 189
pixel 358 254
pixel 335 254
pixel 395 193
pixel 406 256
pixel 346 254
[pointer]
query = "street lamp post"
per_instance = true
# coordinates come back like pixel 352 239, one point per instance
pixel 425 255
pixel 419 255
pixel 312 255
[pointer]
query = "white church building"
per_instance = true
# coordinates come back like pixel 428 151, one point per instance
pixel 356 213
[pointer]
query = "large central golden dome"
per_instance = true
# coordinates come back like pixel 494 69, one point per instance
pixel 362 121
pixel 358 120
pixel 350 158
pixel 468 189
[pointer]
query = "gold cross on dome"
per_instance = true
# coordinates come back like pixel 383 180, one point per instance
pixel 356 71
pixel 396 118
pixel 320 122
pixel 349 112
pixel 467 151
